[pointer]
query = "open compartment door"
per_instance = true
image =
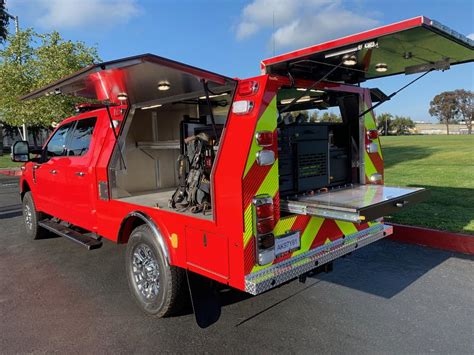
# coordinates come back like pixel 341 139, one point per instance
pixel 410 46
pixel 360 203
pixel 145 79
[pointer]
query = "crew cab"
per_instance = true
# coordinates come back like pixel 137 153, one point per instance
pixel 290 188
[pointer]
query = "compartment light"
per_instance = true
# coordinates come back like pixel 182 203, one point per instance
pixel 122 96
pixel 164 85
pixel 349 60
pixel 150 107
pixel 381 67
pixel 242 107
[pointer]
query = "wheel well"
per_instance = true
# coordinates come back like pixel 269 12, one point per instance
pixel 128 225
pixel 135 219
pixel 24 189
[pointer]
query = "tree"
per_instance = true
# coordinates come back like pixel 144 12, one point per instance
pixel 465 105
pixel 4 19
pixel 330 117
pixel 444 107
pixel 402 125
pixel 30 61
pixel 384 123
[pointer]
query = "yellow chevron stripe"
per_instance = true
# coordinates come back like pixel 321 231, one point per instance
pixel 346 227
pixel 369 165
pixel 284 225
pixel 269 185
pixel 248 231
pixel 309 234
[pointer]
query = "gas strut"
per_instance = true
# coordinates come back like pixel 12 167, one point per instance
pixel 107 107
pixel 387 98
pixel 208 100
pixel 292 103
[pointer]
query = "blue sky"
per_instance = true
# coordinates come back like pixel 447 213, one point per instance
pixel 231 37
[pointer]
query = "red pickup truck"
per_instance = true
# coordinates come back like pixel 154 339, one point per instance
pixel 245 182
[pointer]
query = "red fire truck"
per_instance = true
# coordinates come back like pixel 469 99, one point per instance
pixel 249 183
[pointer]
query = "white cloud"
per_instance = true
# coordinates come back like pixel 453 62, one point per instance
pixel 471 36
pixel 301 23
pixel 55 14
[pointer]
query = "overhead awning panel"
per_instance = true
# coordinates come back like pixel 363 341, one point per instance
pixel 410 46
pixel 138 77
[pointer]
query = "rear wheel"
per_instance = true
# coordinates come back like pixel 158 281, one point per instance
pixel 31 218
pixel 158 288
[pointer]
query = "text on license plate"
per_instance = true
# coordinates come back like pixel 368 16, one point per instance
pixel 287 243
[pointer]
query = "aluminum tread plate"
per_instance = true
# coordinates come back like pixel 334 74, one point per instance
pixel 277 274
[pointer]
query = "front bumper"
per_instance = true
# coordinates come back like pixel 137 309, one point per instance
pixel 277 274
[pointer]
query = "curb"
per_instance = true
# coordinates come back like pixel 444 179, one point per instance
pixel 10 172
pixel 457 242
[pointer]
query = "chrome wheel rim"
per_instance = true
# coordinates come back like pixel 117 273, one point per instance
pixel 146 272
pixel 28 217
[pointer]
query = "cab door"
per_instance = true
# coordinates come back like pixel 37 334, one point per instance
pixel 49 176
pixel 80 175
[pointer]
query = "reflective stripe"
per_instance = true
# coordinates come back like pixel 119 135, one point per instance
pixel 267 122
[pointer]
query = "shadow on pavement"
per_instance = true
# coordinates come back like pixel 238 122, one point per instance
pixel 386 268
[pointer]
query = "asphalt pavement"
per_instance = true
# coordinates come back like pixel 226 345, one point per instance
pixel 56 296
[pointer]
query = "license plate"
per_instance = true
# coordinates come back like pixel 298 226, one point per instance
pixel 287 243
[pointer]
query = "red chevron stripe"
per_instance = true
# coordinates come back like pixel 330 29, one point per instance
pixel 253 180
pixel 249 256
pixel 329 229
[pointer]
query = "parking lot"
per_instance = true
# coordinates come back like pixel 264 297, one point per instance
pixel 387 297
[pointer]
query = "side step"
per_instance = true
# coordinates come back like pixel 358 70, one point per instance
pixel 63 231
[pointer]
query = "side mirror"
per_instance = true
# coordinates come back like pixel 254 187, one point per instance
pixel 20 152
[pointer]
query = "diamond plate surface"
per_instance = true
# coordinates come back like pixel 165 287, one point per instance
pixel 268 278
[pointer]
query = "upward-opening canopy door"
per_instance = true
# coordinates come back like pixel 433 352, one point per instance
pixel 145 79
pixel 410 46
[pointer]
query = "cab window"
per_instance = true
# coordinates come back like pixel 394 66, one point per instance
pixel 81 137
pixel 57 144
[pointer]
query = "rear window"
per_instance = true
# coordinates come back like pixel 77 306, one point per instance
pixel 81 137
pixel 57 144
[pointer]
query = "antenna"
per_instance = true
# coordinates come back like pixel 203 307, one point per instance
pixel 273 32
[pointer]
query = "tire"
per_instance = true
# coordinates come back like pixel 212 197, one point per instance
pixel 31 217
pixel 160 290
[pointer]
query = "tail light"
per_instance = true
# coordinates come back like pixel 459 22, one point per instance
pixel 264 211
pixel 264 138
pixel 264 225
pixel 265 157
pixel 372 134
pixel 266 241
pixel 247 88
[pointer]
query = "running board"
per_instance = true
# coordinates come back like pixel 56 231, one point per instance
pixel 63 231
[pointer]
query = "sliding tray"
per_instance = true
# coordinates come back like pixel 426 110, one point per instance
pixel 359 203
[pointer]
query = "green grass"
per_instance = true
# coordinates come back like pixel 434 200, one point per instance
pixel 5 162
pixel 442 164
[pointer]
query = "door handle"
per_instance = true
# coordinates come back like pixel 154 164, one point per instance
pixel 54 172
pixel 80 173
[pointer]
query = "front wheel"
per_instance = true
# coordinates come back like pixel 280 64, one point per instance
pixel 31 217
pixel 158 288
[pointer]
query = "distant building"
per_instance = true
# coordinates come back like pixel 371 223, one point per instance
pixel 436 128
